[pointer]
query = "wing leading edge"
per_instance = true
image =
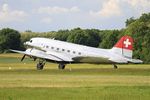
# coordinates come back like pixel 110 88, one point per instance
pixel 43 55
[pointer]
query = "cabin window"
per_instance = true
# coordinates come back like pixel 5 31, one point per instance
pixel 63 49
pixel 47 46
pixel 74 52
pixel 52 47
pixel 79 53
pixel 57 48
pixel 30 41
pixel 68 50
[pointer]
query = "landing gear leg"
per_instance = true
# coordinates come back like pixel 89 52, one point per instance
pixel 115 66
pixel 40 65
pixel 61 66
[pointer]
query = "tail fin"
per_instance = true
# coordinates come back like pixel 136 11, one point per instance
pixel 124 46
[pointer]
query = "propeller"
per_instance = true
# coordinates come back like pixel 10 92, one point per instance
pixel 23 57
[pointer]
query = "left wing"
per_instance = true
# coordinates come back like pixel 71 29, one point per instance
pixel 44 55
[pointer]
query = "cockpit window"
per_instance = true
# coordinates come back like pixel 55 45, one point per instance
pixel 30 41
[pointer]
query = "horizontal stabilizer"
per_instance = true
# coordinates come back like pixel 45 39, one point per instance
pixel 22 52
pixel 136 61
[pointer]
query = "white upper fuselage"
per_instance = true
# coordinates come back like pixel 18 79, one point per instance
pixel 69 52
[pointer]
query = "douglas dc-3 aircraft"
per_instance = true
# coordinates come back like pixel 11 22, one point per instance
pixel 66 53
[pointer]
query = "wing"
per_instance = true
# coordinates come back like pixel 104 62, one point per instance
pixel 89 59
pixel 54 56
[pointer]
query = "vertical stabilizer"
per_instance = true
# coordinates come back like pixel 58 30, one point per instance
pixel 124 47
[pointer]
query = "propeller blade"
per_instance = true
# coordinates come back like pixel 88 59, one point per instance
pixel 23 57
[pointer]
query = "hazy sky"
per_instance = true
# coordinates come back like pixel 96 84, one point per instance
pixel 52 15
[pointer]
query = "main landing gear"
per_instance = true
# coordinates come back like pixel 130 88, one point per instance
pixel 61 66
pixel 40 65
pixel 115 66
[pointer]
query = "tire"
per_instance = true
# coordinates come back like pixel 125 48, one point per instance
pixel 115 66
pixel 61 66
pixel 40 66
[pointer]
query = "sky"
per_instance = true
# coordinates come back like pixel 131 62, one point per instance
pixel 53 15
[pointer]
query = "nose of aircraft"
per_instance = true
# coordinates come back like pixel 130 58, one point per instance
pixel 26 43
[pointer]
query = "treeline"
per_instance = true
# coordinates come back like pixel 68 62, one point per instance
pixel 138 28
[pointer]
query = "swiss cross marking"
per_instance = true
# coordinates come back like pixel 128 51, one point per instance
pixel 127 43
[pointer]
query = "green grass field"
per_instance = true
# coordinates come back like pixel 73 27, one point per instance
pixel 21 81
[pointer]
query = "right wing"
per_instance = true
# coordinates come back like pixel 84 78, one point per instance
pixel 90 59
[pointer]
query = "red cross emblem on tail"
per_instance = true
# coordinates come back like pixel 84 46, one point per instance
pixel 125 43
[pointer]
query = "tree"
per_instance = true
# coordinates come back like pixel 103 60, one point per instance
pixel 93 37
pixel 85 37
pixel 62 35
pixel 77 36
pixel 109 39
pixel 140 31
pixel 129 21
pixel 145 17
pixel 9 39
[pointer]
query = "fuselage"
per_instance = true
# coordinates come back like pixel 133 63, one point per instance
pixel 78 53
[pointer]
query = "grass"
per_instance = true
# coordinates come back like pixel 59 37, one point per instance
pixel 21 81
pixel 83 93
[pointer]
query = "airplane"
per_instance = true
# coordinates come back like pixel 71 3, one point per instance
pixel 56 51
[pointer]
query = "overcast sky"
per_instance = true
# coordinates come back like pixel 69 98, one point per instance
pixel 52 15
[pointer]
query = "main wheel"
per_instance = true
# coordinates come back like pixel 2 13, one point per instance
pixel 115 66
pixel 40 66
pixel 61 66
